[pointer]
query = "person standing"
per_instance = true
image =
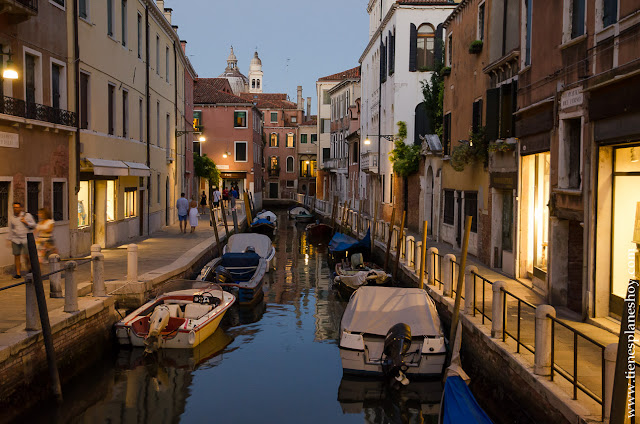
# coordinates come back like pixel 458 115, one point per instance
pixel 225 196
pixel 233 195
pixel 20 224
pixel 44 235
pixel 183 209
pixel 203 202
pixel 193 215
pixel 216 198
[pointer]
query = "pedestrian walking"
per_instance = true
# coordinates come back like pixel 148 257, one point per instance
pixel 44 235
pixel 225 196
pixel 203 202
pixel 193 215
pixel 216 198
pixel 20 224
pixel 233 195
pixel 183 209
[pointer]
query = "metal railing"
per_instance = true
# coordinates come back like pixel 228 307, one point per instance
pixel 505 330
pixel 17 107
pixel 437 269
pixel 30 4
pixel 573 378
pixel 455 266
pixel 475 297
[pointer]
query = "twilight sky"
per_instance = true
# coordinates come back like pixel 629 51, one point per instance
pixel 298 41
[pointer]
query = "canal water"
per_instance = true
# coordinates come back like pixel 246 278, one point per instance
pixel 277 362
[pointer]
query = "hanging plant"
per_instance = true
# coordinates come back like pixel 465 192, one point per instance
pixel 475 47
pixel 466 153
pixel 445 71
pixel 501 147
pixel 405 158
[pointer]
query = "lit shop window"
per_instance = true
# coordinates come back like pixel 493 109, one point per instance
pixel 111 200
pixel 130 202
pixel 84 205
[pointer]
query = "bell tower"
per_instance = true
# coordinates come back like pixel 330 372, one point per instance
pixel 255 74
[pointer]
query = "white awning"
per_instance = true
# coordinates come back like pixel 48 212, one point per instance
pixel 107 167
pixel 138 169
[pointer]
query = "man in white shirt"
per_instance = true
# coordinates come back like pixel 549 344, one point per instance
pixel 216 198
pixel 20 224
pixel 183 209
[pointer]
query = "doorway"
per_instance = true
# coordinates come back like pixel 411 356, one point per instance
pixel 273 190
pixel 459 218
pixel 141 212
pixel 166 204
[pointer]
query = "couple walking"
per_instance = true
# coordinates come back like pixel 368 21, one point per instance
pixel 186 210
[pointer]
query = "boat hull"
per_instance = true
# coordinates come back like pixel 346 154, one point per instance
pixel 355 362
pixel 319 230
pixel 266 229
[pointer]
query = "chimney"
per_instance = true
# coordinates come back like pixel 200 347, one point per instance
pixel 308 107
pixel 167 14
pixel 160 4
pixel 183 44
pixel 300 104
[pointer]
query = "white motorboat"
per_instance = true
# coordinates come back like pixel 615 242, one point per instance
pixel 238 243
pixel 181 318
pixel 300 214
pixel 393 332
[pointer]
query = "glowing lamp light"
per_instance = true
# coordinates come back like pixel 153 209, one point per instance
pixel 224 155
pixel 367 141
pixel 202 139
pixel 307 162
pixel 9 72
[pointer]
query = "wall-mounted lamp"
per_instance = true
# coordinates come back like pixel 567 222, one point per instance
pixel 367 141
pixel 201 139
pixel 9 72
pixel 226 155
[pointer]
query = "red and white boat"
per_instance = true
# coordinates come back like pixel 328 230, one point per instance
pixel 181 318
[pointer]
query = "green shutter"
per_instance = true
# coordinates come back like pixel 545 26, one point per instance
pixel 493 105
pixel 294 140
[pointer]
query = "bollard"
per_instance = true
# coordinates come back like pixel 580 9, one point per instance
pixel 417 254
pixel 497 310
pixel 97 268
pixel 610 354
pixel 70 287
pixel 55 280
pixel 235 221
pixel 431 265
pixel 447 275
pixel 469 289
pixel 95 248
pixel 409 253
pixel 33 316
pixel 132 263
pixel 543 340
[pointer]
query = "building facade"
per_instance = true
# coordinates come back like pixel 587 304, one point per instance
pixel 308 154
pixel 190 75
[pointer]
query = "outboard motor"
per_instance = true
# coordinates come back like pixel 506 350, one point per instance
pixel 396 344
pixel 223 275
pixel 158 322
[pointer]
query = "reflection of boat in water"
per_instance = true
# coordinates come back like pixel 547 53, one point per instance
pixel 241 315
pixel 383 402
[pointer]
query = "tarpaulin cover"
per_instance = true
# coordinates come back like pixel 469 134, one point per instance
pixel 341 242
pixel 268 215
pixel 261 221
pixel 460 406
pixel 298 210
pixel 374 310
pixel 239 242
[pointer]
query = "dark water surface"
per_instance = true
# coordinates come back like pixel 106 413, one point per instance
pixel 275 363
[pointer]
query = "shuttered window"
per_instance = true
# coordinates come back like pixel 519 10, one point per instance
pixel 438 47
pixel 392 53
pixel 446 134
pixel 383 62
pixel 476 119
pixel 471 208
pixel 449 207
pixel 492 120
pixel 413 47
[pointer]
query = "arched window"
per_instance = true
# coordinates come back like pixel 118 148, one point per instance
pixel 422 124
pixel 258 84
pixel 273 140
pixel 253 83
pixel 289 163
pixel 426 48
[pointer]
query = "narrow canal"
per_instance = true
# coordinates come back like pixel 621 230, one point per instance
pixel 277 362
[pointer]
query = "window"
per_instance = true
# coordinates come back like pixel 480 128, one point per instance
pixel 449 49
pixel 57 201
pixel 289 163
pixel 383 62
pixel 167 139
pixel 253 83
pixel 476 118
pixel 481 22
pixel 325 126
pixel 303 138
pixel 422 125
pixel 240 119
pixel 449 207
pixel 291 140
pixel 141 118
pixel 30 79
pixel 157 54
pixel 140 36
pixel 111 200
pixel 425 48
pixel 390 188
pixel 158 124
pixel 84 204
pixel 124 22
pixel 308 168
pixel 527 32
pixel 111 105
pixel 291 184
pixel 4 203
pixel 84 100
pixel 274 117
pixel 166 65
pixel 577 18
pixel 56 92
pixel 326 154
pixel 274 140
pixel 326 97
pixel 125 113
pixel 570 154
pixel 471 208
pixel 446 134
pixel 354 153
pixel 314 138
pixel 130 202
pixel 83 11
pixel 391 58
pixel 610 12
pixel 241 151
pixel 110 22
pixel 59 2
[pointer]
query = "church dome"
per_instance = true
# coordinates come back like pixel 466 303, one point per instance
pixel 238 82
pixel 256 60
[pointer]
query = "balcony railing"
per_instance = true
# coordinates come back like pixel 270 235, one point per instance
pixel 273 172
pixel 17 107
pixel 336 163
pixel 19 7
pixel 369 162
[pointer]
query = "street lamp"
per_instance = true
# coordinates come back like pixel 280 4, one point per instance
pixel 201 139
pixel 9 72
pixel 226 155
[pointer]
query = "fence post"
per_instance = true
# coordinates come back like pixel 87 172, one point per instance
pixel 431 265
pixel 447 275
pixel 95 248
pixel 543 340
pixel 132 263
pixel 469 289
pixel 497 309
pixel 97 267
pixel 33 316
pixel 417 255
pixel 55 280
pixel 70 287
pixel 610 354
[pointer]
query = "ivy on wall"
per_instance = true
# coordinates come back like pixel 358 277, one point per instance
pixel 477 149
pixel 405 158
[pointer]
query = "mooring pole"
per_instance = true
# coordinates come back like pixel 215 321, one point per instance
pixel 248 211
pixel 463 264
pixel 224 218
pixel 423 253
pixel 214 224
pixel 374 225
pixel 44 318
pixel 399 245
pixel 391 224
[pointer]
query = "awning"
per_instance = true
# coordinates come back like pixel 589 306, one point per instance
pixel 138 169
pixel 105 167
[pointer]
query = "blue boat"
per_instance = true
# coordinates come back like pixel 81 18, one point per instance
pixel 342 246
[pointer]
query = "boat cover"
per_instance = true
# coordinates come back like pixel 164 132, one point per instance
pixel 239 242
pixel 298 210
pixel 359 278
pixel 341 242
pixel 460 406
pixel 374 310
pixel 268 215
pixel 241 266
pixel 258 221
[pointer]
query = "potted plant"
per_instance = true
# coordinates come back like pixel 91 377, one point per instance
pixel 476 47
pixel 445 71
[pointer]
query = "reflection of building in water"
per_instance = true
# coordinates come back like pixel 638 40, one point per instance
pixel 329 309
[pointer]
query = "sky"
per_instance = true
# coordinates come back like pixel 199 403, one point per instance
pixel 298 41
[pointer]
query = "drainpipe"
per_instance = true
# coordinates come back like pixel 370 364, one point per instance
pixel 76 61
pixel 175 108
pixel 147 96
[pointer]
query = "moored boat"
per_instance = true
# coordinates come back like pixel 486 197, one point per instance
pixel 342 246
pixel 300 214
pixel 264 223
pixel 319 230
pixel 238 243
pixel 392 332
pixel 351 276
pixel 181 318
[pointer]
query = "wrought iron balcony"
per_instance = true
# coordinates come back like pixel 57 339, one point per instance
pixel 336 163
pixel 19 10
pixel 18 107
pixel 369 162
pixel 273 172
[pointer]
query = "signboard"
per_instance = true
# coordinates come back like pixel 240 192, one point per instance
pixel 503 180
pixel 232 175
pixel 223 166
pixel 571 98
pixel 9 140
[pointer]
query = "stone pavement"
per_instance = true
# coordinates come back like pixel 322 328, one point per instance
pixel 159 250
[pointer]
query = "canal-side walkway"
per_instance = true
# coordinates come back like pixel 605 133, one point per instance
pixel 164 250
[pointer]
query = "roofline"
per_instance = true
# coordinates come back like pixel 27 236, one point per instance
pixel 342 83
pixel 455 12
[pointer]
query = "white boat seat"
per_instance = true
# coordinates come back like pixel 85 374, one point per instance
pixel 175 311
pixel 196 310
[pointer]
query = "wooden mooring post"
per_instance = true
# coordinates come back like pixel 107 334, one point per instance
pixel 463 264
pixel 399 245
pixel 423 253
pixel 224 218
pixel 391 224
pixel 214 224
